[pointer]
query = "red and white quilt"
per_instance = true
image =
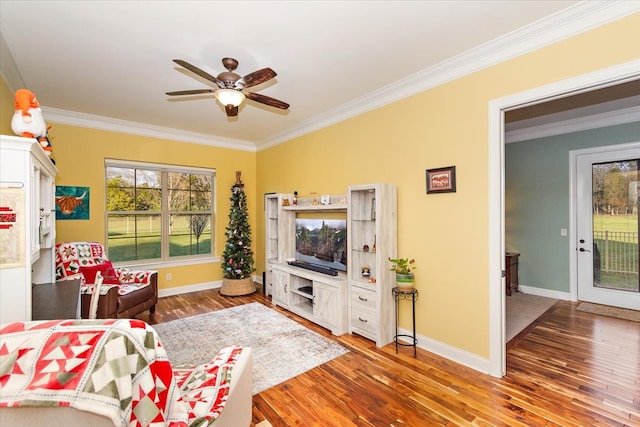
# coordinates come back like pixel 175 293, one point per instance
pixel 115 368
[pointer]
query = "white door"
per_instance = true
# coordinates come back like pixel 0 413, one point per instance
pixel 607 198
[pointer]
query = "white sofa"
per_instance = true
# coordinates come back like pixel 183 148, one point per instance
pixel 23 404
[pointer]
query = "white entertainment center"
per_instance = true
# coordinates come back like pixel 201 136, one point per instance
pixel 357 300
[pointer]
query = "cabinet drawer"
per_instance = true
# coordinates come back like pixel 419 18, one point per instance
pixel 363 319
pixel 363 298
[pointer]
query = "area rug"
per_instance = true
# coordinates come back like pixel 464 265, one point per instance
pixel 282 348
pixel 607 310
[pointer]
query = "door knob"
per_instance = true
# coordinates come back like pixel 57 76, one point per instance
pixel 584 250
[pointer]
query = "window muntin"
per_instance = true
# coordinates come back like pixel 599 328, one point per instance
pixel 158 212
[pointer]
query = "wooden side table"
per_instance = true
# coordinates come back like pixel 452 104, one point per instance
pixel 511 265
pixel 406 294
pixel 58 300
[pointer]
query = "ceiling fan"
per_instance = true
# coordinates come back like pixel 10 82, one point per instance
pixel 231 87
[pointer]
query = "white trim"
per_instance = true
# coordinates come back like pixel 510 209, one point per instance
pixel 584 83
pixel 612 118
pixel 91 121
pixel 549 293
pixel 569 22
pixel 465 358
pixel 166 292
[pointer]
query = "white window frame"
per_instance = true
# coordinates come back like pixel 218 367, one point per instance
pixel 166 260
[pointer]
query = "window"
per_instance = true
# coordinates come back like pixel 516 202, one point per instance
pixel 158 212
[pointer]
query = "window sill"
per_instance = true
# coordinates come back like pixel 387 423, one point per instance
pixel 157 264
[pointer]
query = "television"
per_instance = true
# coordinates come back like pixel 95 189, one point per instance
pixel 322 241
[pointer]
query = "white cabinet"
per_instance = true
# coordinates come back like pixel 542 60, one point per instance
pixel 372 239
pixel 317 297
pixel 27 200
pixel 280 287
pixel 277 227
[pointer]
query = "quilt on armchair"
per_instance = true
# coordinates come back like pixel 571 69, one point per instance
pixel 124 292
pixel 114 368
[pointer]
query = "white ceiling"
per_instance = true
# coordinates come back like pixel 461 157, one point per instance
pixel 110 62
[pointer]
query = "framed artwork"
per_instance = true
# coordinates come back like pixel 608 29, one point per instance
pixel 441 180
pixel 72 202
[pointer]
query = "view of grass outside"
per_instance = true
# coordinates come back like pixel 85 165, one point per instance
pixel 616 238
pixel 125 244
pixel 158 212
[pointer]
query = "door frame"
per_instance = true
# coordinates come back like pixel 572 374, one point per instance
pixel 573 208
pixel 497 299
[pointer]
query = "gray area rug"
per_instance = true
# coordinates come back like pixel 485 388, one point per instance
pixel 606 310
pixel 282 348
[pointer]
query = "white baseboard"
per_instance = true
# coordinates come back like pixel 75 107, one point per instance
pixel 541 292
pixel 189 288
pixel 196 287
pixel 465 358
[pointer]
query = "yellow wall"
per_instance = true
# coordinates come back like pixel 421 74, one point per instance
pixel 447 234
pixel 80 155
pixel 447 125
pixel 6 109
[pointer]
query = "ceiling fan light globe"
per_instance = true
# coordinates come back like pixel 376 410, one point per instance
pixel 230 97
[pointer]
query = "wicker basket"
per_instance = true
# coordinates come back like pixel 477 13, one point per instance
pixel 235 287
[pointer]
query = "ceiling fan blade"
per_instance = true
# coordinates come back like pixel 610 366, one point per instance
pixel 231 110
pixel 256 78
pixel 190 92
pixel 267 100
pixel 199 72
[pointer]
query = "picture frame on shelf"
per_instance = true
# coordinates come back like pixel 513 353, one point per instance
pixel 441 180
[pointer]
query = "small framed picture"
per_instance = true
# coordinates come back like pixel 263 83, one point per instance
pixel 441 180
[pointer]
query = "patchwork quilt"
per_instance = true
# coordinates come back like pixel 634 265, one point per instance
pixel 73 258
pixel 114 368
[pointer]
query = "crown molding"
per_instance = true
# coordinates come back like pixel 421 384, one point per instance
pixel 8 68
pixel 611 118
pixel 123 126
pixel 569 22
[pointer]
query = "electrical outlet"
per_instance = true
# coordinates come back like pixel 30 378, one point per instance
pixel 168 276
pixel 563 231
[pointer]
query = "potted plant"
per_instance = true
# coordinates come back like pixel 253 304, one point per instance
pixel 404 272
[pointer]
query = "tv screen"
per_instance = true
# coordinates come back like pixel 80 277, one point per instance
pixel 322 242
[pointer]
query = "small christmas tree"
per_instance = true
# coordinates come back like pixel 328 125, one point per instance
pixel 237 257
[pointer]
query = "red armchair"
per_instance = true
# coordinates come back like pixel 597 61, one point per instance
pixel 124 293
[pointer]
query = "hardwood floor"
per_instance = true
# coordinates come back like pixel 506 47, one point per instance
pixel 569 368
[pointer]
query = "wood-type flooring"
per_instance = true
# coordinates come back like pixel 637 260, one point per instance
pixel 569 368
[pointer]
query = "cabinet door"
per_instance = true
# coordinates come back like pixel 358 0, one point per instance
pixel 280 288
pixel 325 303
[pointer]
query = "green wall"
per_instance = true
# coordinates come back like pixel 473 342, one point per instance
pixel 537 201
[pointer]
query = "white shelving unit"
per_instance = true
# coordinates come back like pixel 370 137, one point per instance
pixel 349 302
pixel 27 185
pixel 372 239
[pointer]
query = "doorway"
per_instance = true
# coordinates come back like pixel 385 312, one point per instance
pixel 606 220
pixel 497 108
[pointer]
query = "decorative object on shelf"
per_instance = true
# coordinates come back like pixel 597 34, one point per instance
pixel 72 202
pixel 441 180
pixel 314 199
pixel 366 271
pixel 295 198
pixel 325 199
pixel 237 257
pixel 404 272
pixel 28 120
pixel 285 202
